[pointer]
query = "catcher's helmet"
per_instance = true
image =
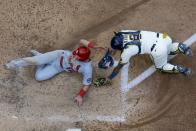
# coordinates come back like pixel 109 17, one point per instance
pixel 82 53
pixel 117 41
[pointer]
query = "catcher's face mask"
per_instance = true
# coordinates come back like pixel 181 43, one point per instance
pixel 107 61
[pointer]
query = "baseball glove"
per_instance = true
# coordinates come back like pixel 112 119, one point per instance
pixel 101 81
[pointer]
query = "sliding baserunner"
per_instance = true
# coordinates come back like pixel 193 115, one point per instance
pixel 52 63
pixel 158 45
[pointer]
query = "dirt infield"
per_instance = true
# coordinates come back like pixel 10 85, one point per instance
pixel 163 102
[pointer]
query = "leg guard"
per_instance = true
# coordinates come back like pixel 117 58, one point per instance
pixel 169 68
pixel 185 50
pixel 180 48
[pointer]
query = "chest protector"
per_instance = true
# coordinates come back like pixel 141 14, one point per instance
pixel 131 38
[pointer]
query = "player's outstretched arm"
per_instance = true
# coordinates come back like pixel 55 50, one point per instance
pixel 115 71
pixel 90 44
pixel 87 43
pixel 104 81
pixel 81 94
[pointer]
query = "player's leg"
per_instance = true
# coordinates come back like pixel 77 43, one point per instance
pixel 45 72
pixel 160 58
pixel 169 68
pixel 35 53
pixel 177 47
pixel 40 59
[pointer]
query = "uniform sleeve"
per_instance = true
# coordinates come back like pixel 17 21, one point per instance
pixel 67 53
pixel 87 75
pixel 128 53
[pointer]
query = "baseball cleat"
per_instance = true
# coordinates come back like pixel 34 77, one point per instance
pixel 34 52
pixel 11 65
pixel 189 52
pixel 184 70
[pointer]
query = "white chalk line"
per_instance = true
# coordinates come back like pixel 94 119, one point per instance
pixel 74 129
pixel 61 118
pixel 124 80
pixel 151 69
pixel 124 77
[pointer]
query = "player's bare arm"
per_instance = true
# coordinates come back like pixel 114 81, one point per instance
pixel 81 95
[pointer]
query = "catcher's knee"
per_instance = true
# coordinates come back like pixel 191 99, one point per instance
pixel 180 48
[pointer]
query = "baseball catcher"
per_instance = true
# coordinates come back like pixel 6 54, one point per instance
pixel 158 45
pixel 52 63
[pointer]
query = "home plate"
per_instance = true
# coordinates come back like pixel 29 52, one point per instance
pixel 74 129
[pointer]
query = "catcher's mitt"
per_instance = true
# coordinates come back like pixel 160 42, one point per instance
pixel 101 82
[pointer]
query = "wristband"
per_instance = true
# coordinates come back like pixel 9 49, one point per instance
pixel 112 75
pixel 82 92
pixel 91 45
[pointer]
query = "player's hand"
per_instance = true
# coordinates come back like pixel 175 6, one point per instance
pixel 108 80
pixel 78 100
pixel 102 81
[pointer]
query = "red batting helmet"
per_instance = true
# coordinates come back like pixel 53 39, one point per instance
pixel 82 53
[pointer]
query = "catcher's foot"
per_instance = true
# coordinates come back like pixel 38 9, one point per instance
pixel 185 50
pixel 189 52
pixel 184 70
